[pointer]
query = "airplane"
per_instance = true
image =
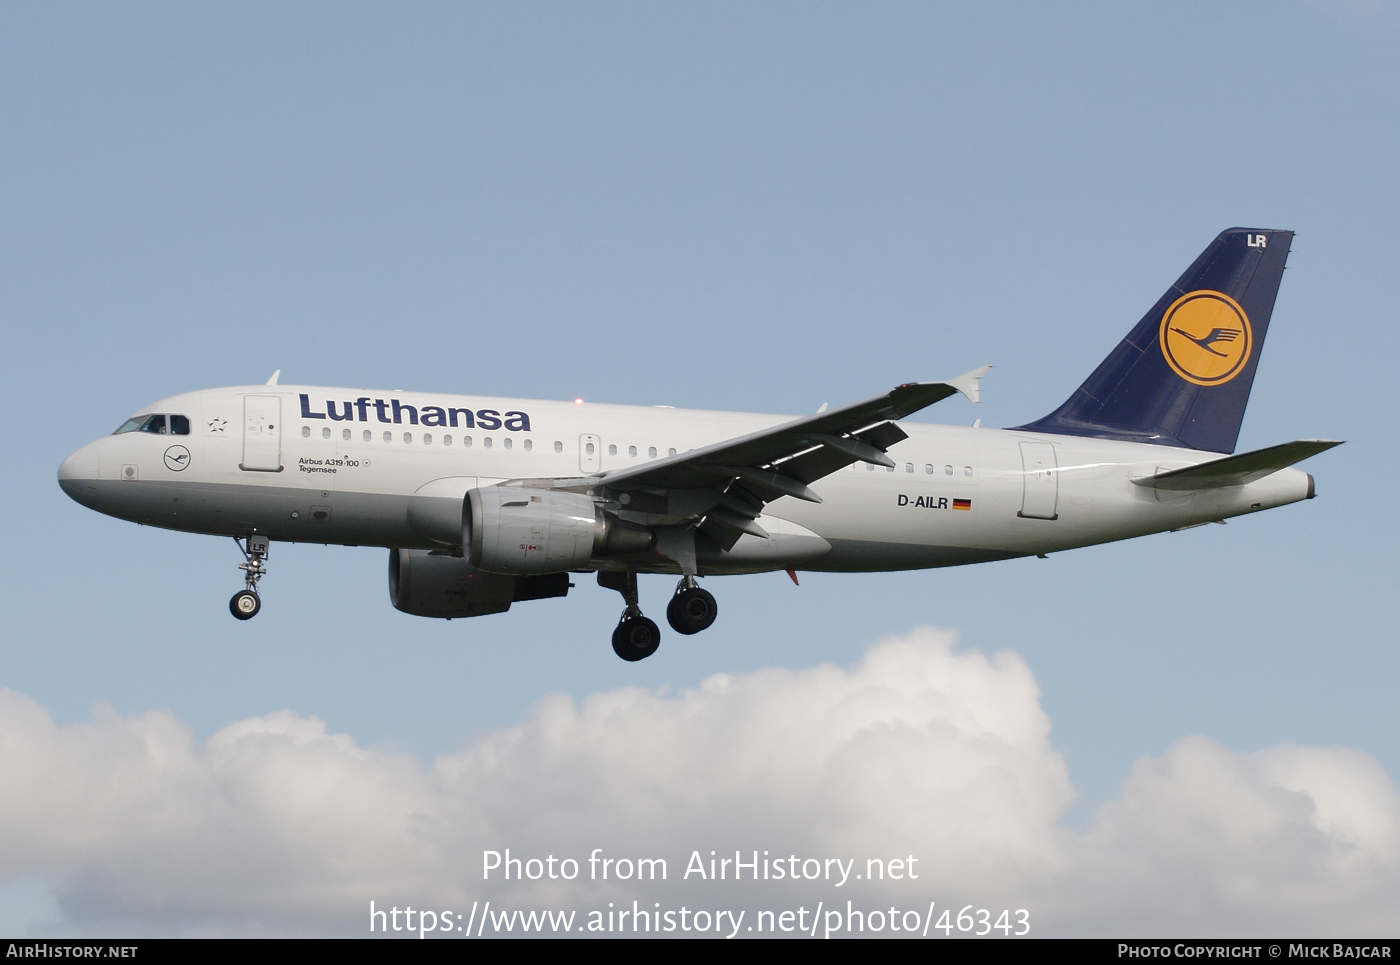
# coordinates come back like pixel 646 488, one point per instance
pixel 484 502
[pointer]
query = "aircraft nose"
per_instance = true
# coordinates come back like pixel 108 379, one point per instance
pixel 78 474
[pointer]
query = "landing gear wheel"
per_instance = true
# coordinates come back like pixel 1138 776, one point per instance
pixel 636 638
pixel 245 604
pixel 691 611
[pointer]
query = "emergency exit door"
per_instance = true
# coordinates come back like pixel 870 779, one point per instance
pixel 590 453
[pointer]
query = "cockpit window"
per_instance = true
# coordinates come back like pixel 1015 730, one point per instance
pixel 178 425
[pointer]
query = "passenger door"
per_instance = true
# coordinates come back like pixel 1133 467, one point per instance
pixel 1040 481
pixel 262 433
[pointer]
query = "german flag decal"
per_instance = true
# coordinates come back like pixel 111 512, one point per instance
pixel 931 502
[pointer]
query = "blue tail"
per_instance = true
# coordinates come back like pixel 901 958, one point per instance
pixel 1182 376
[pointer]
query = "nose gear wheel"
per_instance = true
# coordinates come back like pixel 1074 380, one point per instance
pixel 246 603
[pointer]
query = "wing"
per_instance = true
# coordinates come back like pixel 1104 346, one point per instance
pixel 723 487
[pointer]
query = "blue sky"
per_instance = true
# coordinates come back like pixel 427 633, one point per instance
pixel 725 206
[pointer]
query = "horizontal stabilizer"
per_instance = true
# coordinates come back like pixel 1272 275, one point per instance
pixel 1237 470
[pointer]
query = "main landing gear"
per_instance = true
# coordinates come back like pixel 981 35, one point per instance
pixel 691 609
pixel 246 603
pixel 636 638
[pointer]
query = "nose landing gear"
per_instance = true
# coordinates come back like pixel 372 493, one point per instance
pixel 246 603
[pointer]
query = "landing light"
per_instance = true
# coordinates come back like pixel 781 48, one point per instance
pixel 578 402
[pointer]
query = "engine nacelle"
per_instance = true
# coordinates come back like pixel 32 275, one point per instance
pixel 517 530
pixel 434 584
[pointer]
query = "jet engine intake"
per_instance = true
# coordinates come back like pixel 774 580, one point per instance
pixel 522 530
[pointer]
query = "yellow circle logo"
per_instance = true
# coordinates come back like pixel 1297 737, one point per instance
pixel 1206 337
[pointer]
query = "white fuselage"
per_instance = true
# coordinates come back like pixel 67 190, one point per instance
pixel 353 475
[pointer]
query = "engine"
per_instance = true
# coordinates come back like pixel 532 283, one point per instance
pixel 435 584
pixel 517 530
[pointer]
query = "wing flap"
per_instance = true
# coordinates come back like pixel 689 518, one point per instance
pixel 814 464
pixel 769 485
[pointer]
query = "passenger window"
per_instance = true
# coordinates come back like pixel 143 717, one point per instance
pixel 612 450
pixel 345 434
pixel 670 452
pixel 558 447
pixel 967 470
pixel 155 424
pixel 947 470
pixel 388 437
pixel 466 442
pixel 652 452
pixel 306 432
pixel 889 469
pixel 179 425
pixel 486 443
pixel 427 438
pixel 631 450
pixel 928 469
pixel 507 443
pixel 588 448
pixel 447 440
pixel 367 435
pixel 908 467
pixel 408 437
pixel 870 467
pixel 325 432
pixel 528 445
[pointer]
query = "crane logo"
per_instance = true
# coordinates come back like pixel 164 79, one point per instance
pixel 177 458
pixel 1206 338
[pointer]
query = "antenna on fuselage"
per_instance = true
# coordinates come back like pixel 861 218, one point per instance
pixel 273 380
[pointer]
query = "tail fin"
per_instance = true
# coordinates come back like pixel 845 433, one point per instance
pixel 1182 376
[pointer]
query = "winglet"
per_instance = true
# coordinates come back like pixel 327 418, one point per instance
pixel 967 382
pixel 273 380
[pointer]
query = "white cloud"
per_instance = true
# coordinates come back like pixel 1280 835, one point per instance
pixel 274 826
